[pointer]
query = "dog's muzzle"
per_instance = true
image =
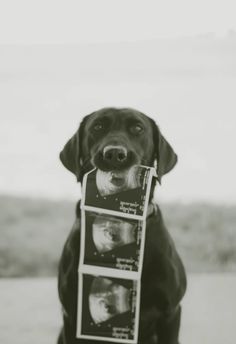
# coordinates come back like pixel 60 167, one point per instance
pixel 114 157
pixel 115 154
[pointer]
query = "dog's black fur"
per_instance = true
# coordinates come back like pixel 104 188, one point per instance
pixel 163 282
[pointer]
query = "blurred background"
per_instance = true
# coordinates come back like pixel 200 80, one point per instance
pixel 174 61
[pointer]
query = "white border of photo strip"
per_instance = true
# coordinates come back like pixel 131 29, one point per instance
pixel 111 272
pixel 99 338
pixel 114 212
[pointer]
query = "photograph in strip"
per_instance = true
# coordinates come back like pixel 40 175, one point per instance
pixel 120 191
pixel 112 242
pixel 107 308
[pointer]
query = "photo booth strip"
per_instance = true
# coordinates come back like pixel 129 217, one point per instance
pixel 113 223
pixel 122 194
pixel 108 308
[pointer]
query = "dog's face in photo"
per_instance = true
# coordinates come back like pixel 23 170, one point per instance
pixel 114 141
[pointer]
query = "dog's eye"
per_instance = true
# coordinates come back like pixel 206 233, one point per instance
pixel 98 127
pixel 136 129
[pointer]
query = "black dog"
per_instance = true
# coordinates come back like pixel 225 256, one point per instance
pixel 115 140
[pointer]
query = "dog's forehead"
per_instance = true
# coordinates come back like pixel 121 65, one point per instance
pixel 121 114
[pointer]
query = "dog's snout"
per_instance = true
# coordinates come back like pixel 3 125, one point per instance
pixel 115 154
pixel 114 157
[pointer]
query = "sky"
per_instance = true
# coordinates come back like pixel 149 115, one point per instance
pixel 187 86
pixel 89 21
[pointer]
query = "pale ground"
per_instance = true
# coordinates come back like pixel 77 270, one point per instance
pixel 30 312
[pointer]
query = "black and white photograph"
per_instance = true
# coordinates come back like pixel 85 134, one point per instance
pixel 112 242
pixel 108 309
pixel 125 191
pixel 117 177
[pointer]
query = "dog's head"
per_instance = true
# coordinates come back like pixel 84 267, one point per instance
pixel 114 140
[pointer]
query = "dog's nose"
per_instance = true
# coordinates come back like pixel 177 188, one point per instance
pixel 115 154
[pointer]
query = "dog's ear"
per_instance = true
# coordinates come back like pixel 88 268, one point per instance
pixel 72 156
pixel 164 155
